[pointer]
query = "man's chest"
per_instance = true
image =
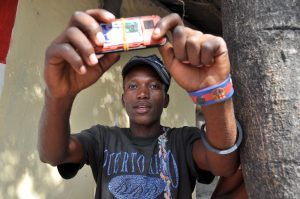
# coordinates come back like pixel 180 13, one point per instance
pixel 137 172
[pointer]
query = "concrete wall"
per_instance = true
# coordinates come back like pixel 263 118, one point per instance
pixel 22 175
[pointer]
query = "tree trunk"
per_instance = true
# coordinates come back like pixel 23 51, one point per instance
pixel 264 42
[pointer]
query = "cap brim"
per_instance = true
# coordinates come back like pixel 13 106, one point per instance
pixel 140 61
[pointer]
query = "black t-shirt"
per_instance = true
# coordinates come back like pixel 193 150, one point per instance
pixel 129 167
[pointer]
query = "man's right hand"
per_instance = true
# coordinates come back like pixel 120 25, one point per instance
pixel 71 64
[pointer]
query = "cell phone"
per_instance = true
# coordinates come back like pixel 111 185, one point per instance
pixel 129 34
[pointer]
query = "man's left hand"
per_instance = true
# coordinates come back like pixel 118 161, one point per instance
pixel 195 60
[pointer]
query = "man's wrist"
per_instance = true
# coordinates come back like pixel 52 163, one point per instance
pixel 213 94
pixel 61 103
pixel 220 122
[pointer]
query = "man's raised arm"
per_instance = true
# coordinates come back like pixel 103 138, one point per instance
pixel 199 63
pixel 70 66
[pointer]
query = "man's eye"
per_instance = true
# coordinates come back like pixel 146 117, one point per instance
pixel 155 86
pixel 132 86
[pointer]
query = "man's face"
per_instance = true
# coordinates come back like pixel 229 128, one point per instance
pixel 144 96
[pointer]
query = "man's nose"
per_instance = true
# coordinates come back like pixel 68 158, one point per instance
pixel 143 93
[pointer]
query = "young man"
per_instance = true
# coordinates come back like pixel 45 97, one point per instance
pixel 146 160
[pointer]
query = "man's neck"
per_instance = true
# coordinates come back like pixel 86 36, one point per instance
pixel 145 131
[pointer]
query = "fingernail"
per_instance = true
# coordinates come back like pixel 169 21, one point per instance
pixel 186 62
pixel 100 38
pixel 110 16
pixel 93 59
pixel 82 69
pixel 156 31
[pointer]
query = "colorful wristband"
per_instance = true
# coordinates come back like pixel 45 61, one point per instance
pixel 213 94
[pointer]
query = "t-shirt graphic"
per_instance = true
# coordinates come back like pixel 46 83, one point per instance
pixel 134 182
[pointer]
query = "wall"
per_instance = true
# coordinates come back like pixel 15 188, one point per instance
pixel 22 174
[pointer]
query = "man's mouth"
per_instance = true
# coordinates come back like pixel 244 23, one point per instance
pixel 142 108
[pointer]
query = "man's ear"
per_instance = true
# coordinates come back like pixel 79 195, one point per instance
pixel 167 99
pixel 123 100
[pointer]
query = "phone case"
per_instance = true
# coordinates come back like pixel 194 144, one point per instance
pixel 129 34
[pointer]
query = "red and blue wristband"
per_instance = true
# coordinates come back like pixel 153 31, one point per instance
pixel 213 94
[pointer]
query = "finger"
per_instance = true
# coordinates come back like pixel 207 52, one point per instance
pixel 79 41
pixel 179 43
pixel 58 53
pixel 166 24
pixel 89 25
pixel 177 69
pixel 193 49
pixel 180 36
pixel 167 54
pixel 222 46
pixel 211 47
pixel 101 15
pixel 174 66
pixel 108 60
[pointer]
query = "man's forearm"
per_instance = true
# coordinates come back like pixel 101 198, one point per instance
pixel 220 124
pixel 221 133
pixel 54 129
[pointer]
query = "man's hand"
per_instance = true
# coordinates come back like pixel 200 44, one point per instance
pixel 71 64
pixel 195 60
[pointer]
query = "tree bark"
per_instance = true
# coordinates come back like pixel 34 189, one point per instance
pixel 264 42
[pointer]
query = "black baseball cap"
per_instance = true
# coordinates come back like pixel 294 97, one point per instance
pixel 153 61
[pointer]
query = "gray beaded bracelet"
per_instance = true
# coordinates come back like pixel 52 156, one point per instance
pixel 226 151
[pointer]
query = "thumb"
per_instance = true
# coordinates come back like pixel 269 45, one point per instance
pixel 108 60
